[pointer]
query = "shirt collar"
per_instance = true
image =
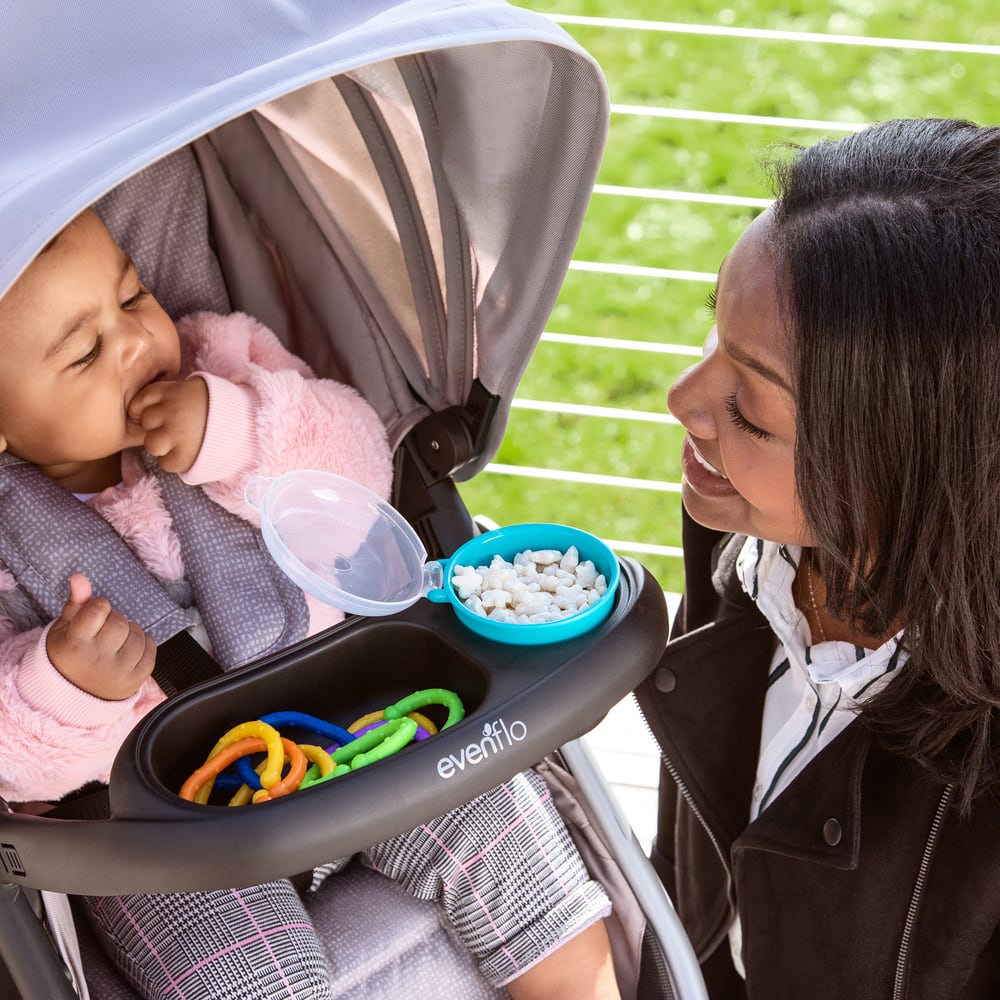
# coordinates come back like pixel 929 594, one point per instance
pixel 766 571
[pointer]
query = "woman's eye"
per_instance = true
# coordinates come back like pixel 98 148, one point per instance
pixel 90 357
pixel 741 422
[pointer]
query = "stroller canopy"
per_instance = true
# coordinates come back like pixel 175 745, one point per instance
pixel 394 187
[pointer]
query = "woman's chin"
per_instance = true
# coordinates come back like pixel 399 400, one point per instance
pixel 720 512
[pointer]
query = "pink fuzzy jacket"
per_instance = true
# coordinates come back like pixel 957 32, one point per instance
pixel 268 414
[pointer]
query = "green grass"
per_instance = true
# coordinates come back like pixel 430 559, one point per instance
pixel 761 77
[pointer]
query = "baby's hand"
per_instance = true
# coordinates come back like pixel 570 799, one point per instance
pixel 98 649
pixel 173 416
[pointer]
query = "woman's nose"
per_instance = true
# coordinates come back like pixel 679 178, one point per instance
pixel 688 400
pixel 689 397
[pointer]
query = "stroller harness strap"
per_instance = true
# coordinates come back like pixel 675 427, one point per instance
pixel 250 608
pixel 46 534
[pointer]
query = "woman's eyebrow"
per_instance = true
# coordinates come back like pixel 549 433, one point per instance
pixel 754 364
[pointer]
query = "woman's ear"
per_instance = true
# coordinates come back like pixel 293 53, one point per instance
pixel 3 443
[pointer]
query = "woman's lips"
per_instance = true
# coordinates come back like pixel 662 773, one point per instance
pixel 701 475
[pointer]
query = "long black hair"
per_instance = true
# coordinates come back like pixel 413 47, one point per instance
pixel 887 246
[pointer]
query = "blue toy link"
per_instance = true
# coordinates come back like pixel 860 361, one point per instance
pixel 396 733
pixel 246 775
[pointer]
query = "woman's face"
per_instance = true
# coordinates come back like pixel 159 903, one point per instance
pixel 738 408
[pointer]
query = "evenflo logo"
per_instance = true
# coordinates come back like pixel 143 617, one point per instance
pixel 497 736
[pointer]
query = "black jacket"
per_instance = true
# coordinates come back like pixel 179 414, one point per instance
pixel 860 880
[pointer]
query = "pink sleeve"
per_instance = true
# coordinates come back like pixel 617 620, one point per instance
pixel 56 737
pixel 229 447
pixel 269 414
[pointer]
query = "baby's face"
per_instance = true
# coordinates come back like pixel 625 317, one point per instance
pixel 79 337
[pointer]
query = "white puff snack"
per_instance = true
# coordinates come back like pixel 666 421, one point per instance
pixel 540 585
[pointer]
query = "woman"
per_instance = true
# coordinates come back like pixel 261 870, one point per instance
pixel 827 706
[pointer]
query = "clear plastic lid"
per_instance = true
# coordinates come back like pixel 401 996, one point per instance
pixel 341 542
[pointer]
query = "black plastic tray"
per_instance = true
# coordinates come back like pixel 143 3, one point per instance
pixel 521 702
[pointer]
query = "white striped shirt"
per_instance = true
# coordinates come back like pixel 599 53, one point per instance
pixel 813 691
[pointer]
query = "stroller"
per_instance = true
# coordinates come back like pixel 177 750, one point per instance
pixel 395 189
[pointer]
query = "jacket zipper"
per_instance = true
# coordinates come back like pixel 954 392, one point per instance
pixel 918 889
pixel 688 797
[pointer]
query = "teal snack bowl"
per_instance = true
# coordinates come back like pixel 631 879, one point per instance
pixel 349 548
pixel 507 542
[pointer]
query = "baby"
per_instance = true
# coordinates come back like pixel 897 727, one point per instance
pixel 138 421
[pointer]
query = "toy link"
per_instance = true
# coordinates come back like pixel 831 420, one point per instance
pixel 372 737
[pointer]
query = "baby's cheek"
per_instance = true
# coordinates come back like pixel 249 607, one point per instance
pixel 135 435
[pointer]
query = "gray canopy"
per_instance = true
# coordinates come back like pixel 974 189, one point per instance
pixel 395 188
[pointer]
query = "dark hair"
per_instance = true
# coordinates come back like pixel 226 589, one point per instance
pixel 888 242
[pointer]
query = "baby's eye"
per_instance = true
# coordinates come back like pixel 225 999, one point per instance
pixel 90 357
pixel 135 300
